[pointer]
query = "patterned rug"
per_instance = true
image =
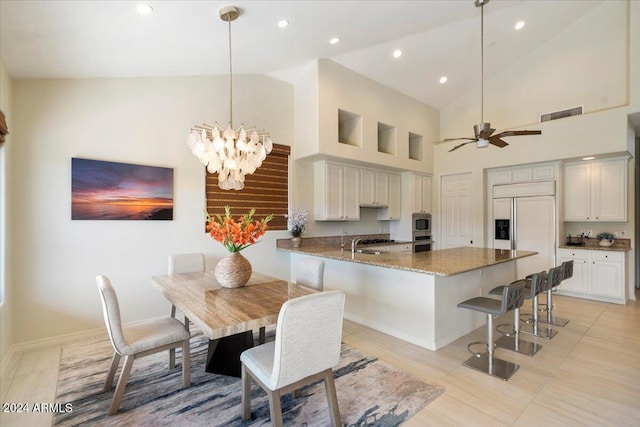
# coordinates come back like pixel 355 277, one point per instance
pixel 370 392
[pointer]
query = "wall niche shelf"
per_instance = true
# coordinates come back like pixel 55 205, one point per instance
pixel 415 146
pixel 386 139
pixel 349 128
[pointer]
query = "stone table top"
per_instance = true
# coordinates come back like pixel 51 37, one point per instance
pixel 443 262
pixel 220 312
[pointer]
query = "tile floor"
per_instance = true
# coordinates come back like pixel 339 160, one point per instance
pixel 588 374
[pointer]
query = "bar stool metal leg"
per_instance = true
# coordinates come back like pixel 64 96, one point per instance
pixel 550 318
pixel 485 362
pixel 514 343
pixel 535 328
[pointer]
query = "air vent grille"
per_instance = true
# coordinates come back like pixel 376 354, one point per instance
pixel 575 111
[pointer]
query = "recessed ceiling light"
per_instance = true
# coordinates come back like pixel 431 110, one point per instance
pixel 283 23
pixel 335 40
pixel 144 9
pixel 519 25
pixel 588 158
pixel 397 53
pixel 443 79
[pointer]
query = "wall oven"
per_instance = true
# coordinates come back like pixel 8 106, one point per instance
pixel 421 223
pixel 421 232
pixel 422 242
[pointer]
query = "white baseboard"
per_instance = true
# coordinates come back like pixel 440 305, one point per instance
pixel 18 348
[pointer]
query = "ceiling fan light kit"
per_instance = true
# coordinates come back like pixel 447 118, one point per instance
pixel 483 131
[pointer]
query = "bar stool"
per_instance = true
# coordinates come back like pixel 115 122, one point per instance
pixel 566 273
pixel 511 340
pixel 541 281
pixel 486 362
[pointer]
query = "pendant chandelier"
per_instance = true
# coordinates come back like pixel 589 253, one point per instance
pixel 230 153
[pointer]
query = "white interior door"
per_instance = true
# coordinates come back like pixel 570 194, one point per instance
pixel 535 231
pixel 457 210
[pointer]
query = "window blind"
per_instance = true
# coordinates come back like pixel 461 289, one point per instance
pixel 266 190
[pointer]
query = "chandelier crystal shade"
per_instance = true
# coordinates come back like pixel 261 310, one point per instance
pixel 231 153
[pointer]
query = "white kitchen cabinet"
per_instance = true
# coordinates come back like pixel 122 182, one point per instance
pixel 421 193
pixel 392 212
pixel 599 275
pixel 607 274
pixel 578 282
pixel 337 192
pixel 596 191
pixel 374 188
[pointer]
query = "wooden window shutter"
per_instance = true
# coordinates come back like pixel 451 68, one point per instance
pixel 267 190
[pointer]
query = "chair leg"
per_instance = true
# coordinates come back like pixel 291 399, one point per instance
pixel 332 398
pixel 262 335
pixel 186 364
pixel 173 310
pixel 275 408
pixel 246 393
pixel 122 383
pixel 172 358
pixel 112 371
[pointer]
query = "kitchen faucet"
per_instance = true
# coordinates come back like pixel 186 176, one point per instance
pixel 354 243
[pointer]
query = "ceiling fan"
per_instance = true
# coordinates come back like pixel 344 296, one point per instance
pixel 483 131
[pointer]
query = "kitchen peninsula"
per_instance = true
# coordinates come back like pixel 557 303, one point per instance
pixel 413 296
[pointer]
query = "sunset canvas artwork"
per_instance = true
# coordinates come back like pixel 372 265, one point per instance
pixel 120 191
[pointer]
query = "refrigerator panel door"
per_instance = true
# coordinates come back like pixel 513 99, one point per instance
pixel 502 210
pixel 535 231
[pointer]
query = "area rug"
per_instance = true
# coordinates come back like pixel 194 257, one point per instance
pixel 370 393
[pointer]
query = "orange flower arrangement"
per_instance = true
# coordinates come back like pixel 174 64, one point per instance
pixel 236 235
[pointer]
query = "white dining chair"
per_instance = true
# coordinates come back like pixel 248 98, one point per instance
pixel 306 348
pixel 138 341
pixel 310 272
pixel 183 263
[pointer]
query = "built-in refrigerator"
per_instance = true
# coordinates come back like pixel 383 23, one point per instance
pixel 525 219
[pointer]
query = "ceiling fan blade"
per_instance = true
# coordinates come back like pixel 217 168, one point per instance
pixel 518 132
pixel 463 144
pixel 486 133
pixel 495 140
pixel 454 139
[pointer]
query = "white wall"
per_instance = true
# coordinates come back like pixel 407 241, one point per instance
pixel 144 121
pixel 6 284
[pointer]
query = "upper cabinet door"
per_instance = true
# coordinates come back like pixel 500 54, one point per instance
pixel 367 188
pixel 609 190
pixel 382 189
pixel 351 200
pixel 426 194
pixel 595 191
pixel 577 192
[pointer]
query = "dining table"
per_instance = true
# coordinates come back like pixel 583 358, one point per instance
pixel 228 316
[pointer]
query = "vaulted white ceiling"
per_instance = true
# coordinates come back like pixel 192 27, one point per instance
pixel 87 39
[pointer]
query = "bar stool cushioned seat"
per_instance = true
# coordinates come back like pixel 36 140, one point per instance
pixel 512 296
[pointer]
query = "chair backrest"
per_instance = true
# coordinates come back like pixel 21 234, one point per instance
pixel 111 312
pixel 310 272
pixel 538 283
pixel 554 278
pixel 308 335
pixel 513 295
pixel 186 263
pixel 567 269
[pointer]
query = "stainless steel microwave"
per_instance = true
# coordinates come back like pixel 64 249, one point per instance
pixel 421 222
